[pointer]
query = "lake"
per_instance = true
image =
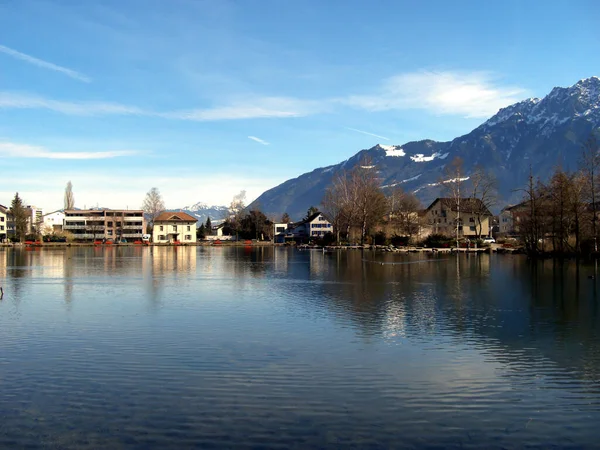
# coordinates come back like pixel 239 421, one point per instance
pixel 199 347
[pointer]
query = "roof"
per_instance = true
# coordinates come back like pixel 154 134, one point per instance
pixel 175 217
pixel 310 218
pixel 467 205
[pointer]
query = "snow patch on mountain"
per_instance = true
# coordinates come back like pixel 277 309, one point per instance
pixel 392 150
pixel 452 180
pixel 420 157
pixel 401 182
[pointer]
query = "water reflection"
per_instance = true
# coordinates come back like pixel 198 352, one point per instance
pixel 357 348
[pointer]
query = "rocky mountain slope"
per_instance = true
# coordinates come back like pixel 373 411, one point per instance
pixel 536 133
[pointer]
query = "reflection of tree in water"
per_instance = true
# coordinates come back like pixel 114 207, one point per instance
pixel 531 310
pixel 19 268
pixel 507 305
pixel 68 269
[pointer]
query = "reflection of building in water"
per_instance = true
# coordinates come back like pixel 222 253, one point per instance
pixel 281 258
pixel 175 260
pixel 317 262
pixel 3 263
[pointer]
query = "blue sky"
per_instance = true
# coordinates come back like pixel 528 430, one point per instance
pixel 203 99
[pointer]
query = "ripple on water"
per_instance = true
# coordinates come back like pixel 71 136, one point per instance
pixel 273 348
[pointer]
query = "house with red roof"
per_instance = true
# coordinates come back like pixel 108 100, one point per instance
pixel 171 227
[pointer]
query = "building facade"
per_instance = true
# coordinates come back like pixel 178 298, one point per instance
pixel 53 221
pixel 172 227
pixel 3 223
pixel 313 227
pixel 470 215
pixel 96 224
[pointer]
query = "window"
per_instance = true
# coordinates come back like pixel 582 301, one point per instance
pixel 188 228
pixel 160 228
pixel 1 227
pixel 174 227
pixel 472 228
pixel 1 219
pixel 161 237
pixel 110 232
pixel 188 237
pixel 471 219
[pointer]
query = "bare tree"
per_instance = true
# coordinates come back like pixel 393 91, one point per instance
pixel 404 212
pixel 453 186
pixel 579 208
pixel 153 205
pixel 590 168
pixel 236 211
pixel 533 217
pixel 484 187
pixel 95 227
pixel 69 197
pixel 371 203
pixel 333 204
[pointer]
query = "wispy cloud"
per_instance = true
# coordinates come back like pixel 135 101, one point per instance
pixel 475 94
pixel 259 140
pixel 367 133
pixel 472 95
pixel 44 64
pixel 14 150
pixel 252 109
pixel 9 100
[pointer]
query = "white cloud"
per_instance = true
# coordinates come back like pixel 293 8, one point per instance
pixel 259 140
pixel 367 133
pixel 251 109
pixel 471 95
pixel 10 100
pixel 475 94
pixel 44 64
pixel 13 150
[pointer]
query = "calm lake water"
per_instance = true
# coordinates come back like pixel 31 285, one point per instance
pixel 278 348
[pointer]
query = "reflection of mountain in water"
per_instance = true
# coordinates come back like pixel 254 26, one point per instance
pixel 517 311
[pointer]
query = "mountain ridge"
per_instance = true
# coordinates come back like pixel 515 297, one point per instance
pixel 537 133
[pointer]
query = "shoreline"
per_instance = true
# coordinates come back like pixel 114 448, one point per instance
pixel 380 248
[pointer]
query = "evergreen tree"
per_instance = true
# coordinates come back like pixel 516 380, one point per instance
pixel 19 213
pixel 208 227
pixel 312 210
pixel 285 218
pixel 201 232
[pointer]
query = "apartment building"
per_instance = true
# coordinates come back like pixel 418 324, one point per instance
pixel 95 224
pixel 3 223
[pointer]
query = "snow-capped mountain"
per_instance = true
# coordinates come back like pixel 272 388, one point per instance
pixel 537 133
pixel 202 211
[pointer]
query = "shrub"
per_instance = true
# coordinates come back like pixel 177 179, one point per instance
pixel 438 241
pixel 327 239
pixel 379 238
pixel 400 241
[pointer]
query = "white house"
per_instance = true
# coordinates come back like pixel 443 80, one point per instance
pixel 3 223
pixel 313 227
pixel 53 221
pixel 170 227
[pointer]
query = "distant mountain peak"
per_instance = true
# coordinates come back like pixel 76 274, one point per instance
pixel 201 206
pixel 533 133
